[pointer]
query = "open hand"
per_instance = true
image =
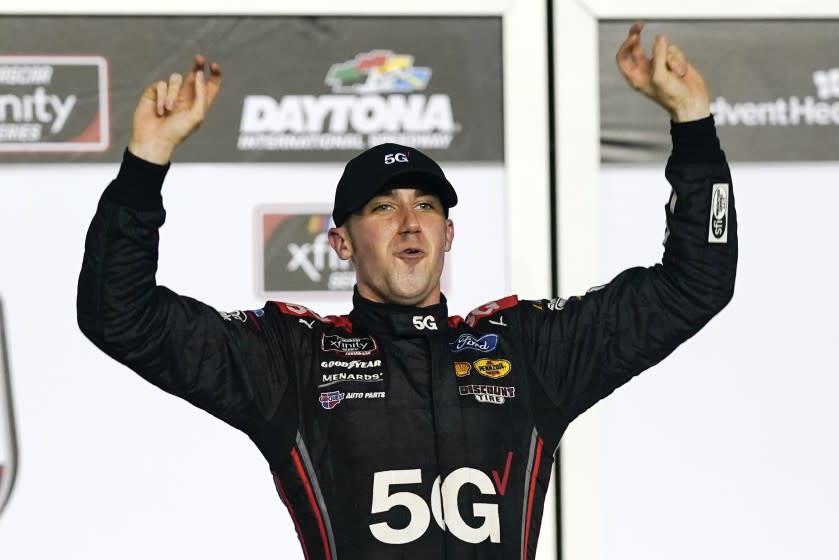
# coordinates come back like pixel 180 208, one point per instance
pixel 668 78
pixel 170 111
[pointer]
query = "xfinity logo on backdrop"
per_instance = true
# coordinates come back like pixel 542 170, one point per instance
pixel 54 104
pixel 373 102
pixel 822 110
pixel 296 255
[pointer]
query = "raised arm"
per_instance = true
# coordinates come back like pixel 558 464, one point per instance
pixel 227 365
pixel 589 345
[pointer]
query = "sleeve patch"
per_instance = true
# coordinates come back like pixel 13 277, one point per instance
pixel 718 221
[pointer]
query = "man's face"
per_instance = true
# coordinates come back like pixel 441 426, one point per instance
pixel 396 242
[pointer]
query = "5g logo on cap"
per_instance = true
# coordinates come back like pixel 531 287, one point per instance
pixel 396 158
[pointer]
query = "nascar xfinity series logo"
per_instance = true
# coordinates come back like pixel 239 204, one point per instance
pixel 54 104
pixel 375 99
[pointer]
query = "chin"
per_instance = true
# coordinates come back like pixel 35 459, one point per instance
pixel 412 298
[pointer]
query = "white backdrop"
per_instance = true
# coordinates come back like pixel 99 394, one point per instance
pixel 726 449
pixel 112 468
pixel 772 480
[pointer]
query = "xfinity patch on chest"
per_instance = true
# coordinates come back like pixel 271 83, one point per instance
pixel 349 346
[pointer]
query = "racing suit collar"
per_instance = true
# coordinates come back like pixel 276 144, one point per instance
pixel 400 320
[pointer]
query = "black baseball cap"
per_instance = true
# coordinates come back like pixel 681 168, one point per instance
pixel 386 166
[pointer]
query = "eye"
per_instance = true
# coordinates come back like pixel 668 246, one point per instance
pixel 381 207
pixel 426 205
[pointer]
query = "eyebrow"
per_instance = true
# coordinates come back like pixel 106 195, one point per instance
pixel 391 192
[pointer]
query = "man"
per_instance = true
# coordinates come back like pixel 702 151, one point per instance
pixel 398 431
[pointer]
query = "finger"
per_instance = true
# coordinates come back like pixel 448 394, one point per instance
pixel 633 38
pixel 638 54
pixel 175 82
pixel 160 96
pixel 199 105
pixel 660 58
pixel 624 54
pixel 213 83
pixel 676 60
pixel 198 63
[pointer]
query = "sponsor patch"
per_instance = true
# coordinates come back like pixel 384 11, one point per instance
pixel 331 399
pixel 718 224
pixel 349 346
pixel 365 395
pixel 486 343
pixel 234 315
pixel 462 369
pixel 328 379
pixel 352 364
pixel 500 322
pixel 488 393
pixel 422 323
pixel 557 304
pixel 494 369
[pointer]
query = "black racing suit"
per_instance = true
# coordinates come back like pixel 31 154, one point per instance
pixel 401 432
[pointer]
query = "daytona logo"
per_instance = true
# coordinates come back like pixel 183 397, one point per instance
pixel 339 114
pixel 373 101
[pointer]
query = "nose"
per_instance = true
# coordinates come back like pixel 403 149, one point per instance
pixel 410 222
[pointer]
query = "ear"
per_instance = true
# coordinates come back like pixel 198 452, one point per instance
pixel 449 235
pixel 341 243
